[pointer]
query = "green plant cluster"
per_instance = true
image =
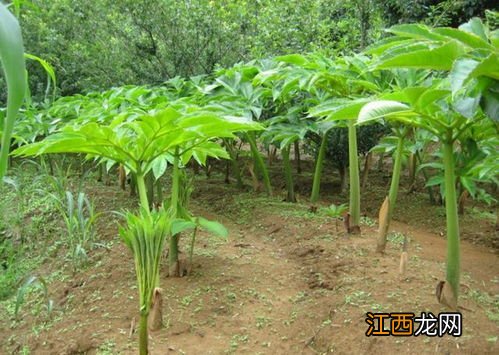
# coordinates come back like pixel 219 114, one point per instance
pixel 427 85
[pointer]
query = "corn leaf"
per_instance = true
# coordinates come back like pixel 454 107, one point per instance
pixel 12 58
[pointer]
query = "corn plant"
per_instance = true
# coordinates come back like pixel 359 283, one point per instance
pixel 12 58
pixel 79 219
pixel 33 281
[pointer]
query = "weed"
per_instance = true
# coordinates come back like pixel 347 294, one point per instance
pixel 107 348
pixel 186 301
pixel 231 296
pixel 396 238
pixel 236 339
pixel 477 213
pixel 357 298
pixel 489 303
pixel 292 318
pixel 299 297
pixel 367 221
pixel 262 322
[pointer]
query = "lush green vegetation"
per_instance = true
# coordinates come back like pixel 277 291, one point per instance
pixel 167 96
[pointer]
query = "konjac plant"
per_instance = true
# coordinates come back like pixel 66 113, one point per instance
pixel 139 145
pixel 346 80
pixel 449 107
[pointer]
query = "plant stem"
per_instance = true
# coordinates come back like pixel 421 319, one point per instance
pixel 426 177
pixel 412 169
pixel 173 251
pixel 297 156
pixel 149 178
pixel 259 164
pixel 141 185
pixel 365 171
pixel 397 167
pixel 289 176
pixel 319 163
pixel 143 336
pixel 392 195
pixel 235 165
pixel 453 253
pixel 381 161
pixel 101 170
pixel 354 174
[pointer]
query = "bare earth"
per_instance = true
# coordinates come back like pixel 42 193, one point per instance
pixel 286 282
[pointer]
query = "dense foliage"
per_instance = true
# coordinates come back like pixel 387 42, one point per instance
pixel 99 44
pixel 186 102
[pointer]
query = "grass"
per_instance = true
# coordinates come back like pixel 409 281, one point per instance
pixel 480 213
pixel 488 302
pixel 31 232
pixel 397 238
pixel 358 298
pixel 22 219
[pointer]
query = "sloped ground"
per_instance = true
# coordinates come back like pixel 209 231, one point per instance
pixel 286 282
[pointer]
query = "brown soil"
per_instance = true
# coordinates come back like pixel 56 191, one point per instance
pixel 287 281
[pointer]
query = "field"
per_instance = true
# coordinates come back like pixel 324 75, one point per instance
pixel 286 281
pixel 249 177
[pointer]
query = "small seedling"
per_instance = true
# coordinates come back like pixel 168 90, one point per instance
pixel 336 212
pixel 21 292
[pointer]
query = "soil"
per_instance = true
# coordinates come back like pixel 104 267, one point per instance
pixel 287 281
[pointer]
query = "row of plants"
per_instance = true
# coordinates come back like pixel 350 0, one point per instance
pixel 429 87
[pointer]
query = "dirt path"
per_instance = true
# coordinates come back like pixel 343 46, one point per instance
pixel 476 260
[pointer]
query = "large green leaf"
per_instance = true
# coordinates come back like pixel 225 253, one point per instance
pixel 50 73
pixel 213 227
pixel 476 27
pixel 336 110
pixel 441 57
pixel 181 225
pixel 12 58
pixel 465 69
pixel 415 31
pixel 295 59
pixel 382 109
pixel 137 144
pixel 490 101
pixel 470 39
